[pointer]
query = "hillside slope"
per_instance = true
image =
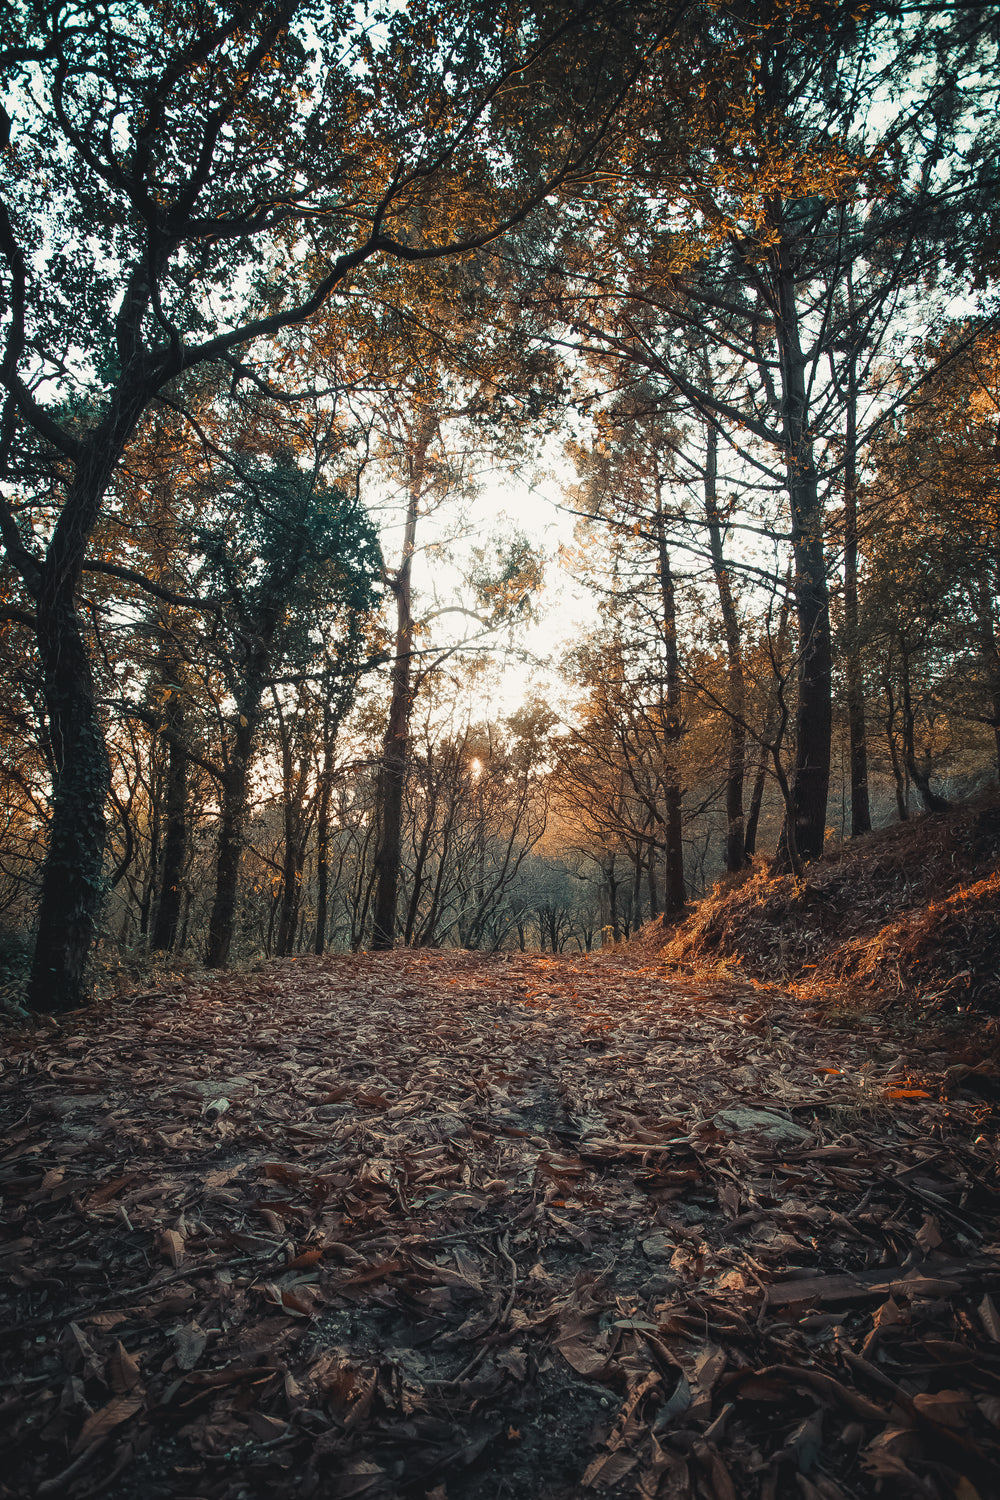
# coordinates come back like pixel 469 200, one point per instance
pixel 910 912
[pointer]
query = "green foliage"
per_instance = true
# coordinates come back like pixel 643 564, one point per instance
pixel 278 544
pixel 505 575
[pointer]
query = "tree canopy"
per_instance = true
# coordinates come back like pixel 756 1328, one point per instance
pixel 740 260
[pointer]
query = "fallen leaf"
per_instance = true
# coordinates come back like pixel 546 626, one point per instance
pixel 583 1358
pixel 609 1469
pixel 189 1344
pixel 990 1317
pixel 306 1258
pixel 928 1236
pixel 950 1408
pixel 124 1374
pixel 97 1427
pixel 171 1244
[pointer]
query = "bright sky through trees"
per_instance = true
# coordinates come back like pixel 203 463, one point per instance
pixel 687 272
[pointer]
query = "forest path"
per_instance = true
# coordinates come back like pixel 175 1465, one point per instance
pixel 463 1226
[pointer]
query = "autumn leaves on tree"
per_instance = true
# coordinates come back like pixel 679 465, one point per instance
pixel 231 241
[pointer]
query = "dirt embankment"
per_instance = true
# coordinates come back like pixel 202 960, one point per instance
pixel 909 913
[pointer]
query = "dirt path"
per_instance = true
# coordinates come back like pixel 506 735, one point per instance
pixel 467 1227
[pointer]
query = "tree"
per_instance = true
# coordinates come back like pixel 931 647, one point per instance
pixel 626 489
pixel 180 185
pixel 422 427
pixel 931 565
pixel 764 231
pixel 277 544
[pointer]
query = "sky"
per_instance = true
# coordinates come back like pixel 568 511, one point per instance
pixel 529 501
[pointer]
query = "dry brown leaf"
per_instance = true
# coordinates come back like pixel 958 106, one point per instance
pixel 583 1358
pixel 265 1427
pixel 609 1469
pixel 83 1349
pixel 124 1374
pixel 990 1318
pixel 950 1408
pixel 711 1462
pixel 966 1490
pixel 171 1244
pixel 108 1190
pixel 189 1344
pixel 929 1236
pixel 97 1426
pixel 310 1257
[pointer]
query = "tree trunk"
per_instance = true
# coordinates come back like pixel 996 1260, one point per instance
pixel 147 902
pixel 233 795
pixel 674 889
pixel 772 732
pixel 168 908
pixel 235 781
pixel 323 853
pixel 651 885
pixel 291 888
pixel 861 820
pixel 635 903
pixel 736 850
pixel 175 830
pixel 232 820
pixel 609 895
pixel 395 746
pixel 420 865
pixel 919 775
pixel 73 875
pixel 990 648
pixel 813 718
pixel 756 802
pixel 899 782
pixel 295 837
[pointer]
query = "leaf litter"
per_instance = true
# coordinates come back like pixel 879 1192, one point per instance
pixel 475 1226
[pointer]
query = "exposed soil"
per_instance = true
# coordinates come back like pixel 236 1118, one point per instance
pixel 464 1227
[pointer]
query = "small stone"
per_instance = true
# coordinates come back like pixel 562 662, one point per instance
pixel 772 1127
pixel 331 1111
pixel 659 1246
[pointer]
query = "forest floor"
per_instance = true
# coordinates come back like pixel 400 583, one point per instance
pixel 462 1227
pixel 907 915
